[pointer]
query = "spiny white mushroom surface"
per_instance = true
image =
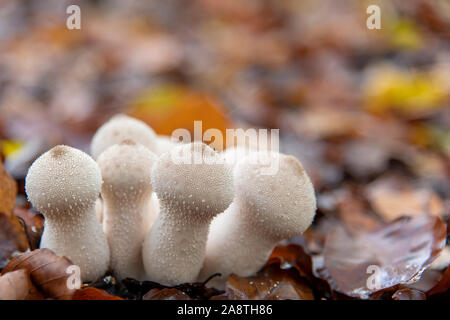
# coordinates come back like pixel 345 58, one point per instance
pixel 165 143
pixel 130 209
pixel 122 127
pixel 190 195
pixel 63 184
pixel 266 209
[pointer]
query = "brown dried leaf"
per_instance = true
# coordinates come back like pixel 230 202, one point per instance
pixel 10 240
pixel 271 283
pixel 91 293
pixel 17 285
pixel 292 255
pixel 409 294
pixel 8 191
pixel 394 197
pixel 47 271
pixel 443 286
pixel 400 250
pixel 33 224
pixel 12 237
pixel 166 294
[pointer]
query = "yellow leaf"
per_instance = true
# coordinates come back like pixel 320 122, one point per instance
pixel 10 147
pixel 409 93
pixel 404 34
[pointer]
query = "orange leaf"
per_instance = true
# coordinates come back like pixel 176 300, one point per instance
pixel 91 293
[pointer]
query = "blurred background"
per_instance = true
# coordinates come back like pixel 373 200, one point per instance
pixel 366 111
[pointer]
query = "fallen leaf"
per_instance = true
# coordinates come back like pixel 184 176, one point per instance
pixel 271 283
pixel 292 255
pixel 394 197
pixel 133 289
pixel 409 294
pixel 91 293
pixel 47 271
pixel 396 253
pixel 167 108
pixel 166 294
pixel 33 224
pixel 8 191
pixel 17 285
pixel 10 240
pixel 442 288
pixel 12 236
pixel 364 157
pixel 404 34
pixel 412 93
pixel 443 260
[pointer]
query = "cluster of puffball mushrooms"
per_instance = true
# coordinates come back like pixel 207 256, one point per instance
pixel 130 209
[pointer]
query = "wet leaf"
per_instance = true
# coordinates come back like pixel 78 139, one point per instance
pixel 272 283
pixel 409 294
pixel 166 294
pixel 396 253
pixel 292 255
pixel 47 271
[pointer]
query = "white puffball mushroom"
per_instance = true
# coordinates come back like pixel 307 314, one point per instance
pixel 191 194
pixel 99 209
pixel 267 208
pixel 64 184
pixel 122 127
pixel 165 143
pixel 234 154
pixel 129 210
pixel 243 149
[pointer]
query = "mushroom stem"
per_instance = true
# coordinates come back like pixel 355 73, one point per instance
pixel 267 208
pixel 126 229
pixel 169 235
pixel 129 206
pixel 254 249
pixel 191 194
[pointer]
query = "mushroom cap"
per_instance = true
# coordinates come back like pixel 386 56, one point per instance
pixel 126 169
pixel 61 179
pixel 165 143
pixel 119 128
pixel 202 190
pixel 282 205
pixel 234 154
